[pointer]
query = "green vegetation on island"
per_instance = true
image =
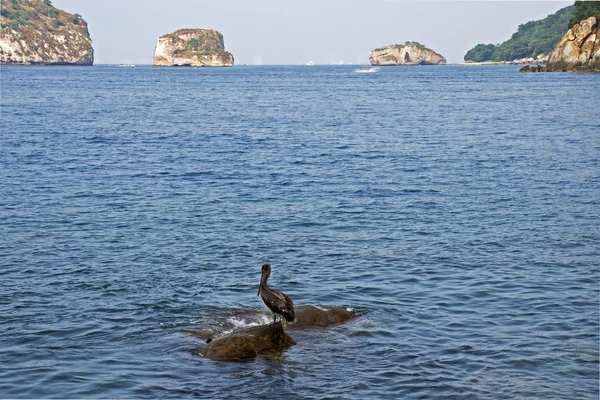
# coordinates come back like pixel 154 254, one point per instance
pixel 202 41
pixel 584 10
pixel 416 44
pixel 17 14
pixel 531 39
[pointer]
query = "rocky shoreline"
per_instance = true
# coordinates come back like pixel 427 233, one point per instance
pixel 541 59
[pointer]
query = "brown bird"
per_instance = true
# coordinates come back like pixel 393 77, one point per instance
pixel 279 303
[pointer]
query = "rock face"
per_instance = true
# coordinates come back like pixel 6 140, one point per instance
pixel 192 47
pixel 35 33
pixel 579 49
pixel 410 53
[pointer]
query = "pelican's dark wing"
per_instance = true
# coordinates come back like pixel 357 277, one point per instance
pixel 279 303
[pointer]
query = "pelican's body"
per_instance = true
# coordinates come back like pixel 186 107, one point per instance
pixel 279 303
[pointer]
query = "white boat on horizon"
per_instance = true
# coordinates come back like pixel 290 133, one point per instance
pixel 310 64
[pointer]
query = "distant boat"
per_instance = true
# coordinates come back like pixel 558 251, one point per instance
pixel 310 63
pixel 127 65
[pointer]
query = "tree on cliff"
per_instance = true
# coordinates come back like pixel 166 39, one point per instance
pixel 584 10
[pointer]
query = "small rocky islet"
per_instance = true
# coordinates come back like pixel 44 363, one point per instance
pixel 193 48
pixel 409 53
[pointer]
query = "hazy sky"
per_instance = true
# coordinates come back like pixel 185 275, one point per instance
pixel 294 32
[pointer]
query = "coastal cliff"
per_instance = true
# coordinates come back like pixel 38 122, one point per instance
pixel 192 47
pixel 579 49
pixel 409 53
pixel 36 33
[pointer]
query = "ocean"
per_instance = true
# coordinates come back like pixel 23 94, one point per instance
pixel 455 209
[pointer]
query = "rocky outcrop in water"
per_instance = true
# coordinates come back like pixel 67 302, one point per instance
pixel 579 49
pixel 35 33
pixel 532 68
pixel 249 342
pixel 409 53
pixel 311 316
pixel 192 47
pixel 256 340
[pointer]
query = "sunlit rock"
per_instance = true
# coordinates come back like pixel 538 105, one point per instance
pixel 579 49
pixel 409 53
pixel 36 33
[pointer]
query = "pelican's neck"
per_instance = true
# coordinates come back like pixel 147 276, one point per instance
pixel 263 280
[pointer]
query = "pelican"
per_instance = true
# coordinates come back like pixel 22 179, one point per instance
pixel 279 303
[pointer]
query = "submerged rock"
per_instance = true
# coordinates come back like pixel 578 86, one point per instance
pixel 409 53
pixel 36 33
pixel 192 47
pixel 579 49
pixel 249 342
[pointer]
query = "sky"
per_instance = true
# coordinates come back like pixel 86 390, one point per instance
pixel 295 32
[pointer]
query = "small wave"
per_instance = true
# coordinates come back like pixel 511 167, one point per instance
pixel 236 323
pixel 367 70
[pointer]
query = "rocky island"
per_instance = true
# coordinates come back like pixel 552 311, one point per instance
pixel 192 47
pixel 36 33
pixel 409 53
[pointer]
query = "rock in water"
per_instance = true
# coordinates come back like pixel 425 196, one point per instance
pixel 192 47
pixel 249 342
pixel 35 33
pixel 528 68
pixel 307 316
pixel 410 53
pixel 579 49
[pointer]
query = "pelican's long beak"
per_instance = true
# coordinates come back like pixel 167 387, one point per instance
pixel 258 294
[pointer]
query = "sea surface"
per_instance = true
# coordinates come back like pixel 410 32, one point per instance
pixel 455 209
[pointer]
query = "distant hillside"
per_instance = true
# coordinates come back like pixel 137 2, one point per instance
pixel 531 39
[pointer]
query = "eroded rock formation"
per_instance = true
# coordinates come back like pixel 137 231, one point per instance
pixel 579 49
pixel 35 33
pixel 410 53
pixel 192 47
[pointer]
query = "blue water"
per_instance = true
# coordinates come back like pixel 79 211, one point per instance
pixel 455 209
